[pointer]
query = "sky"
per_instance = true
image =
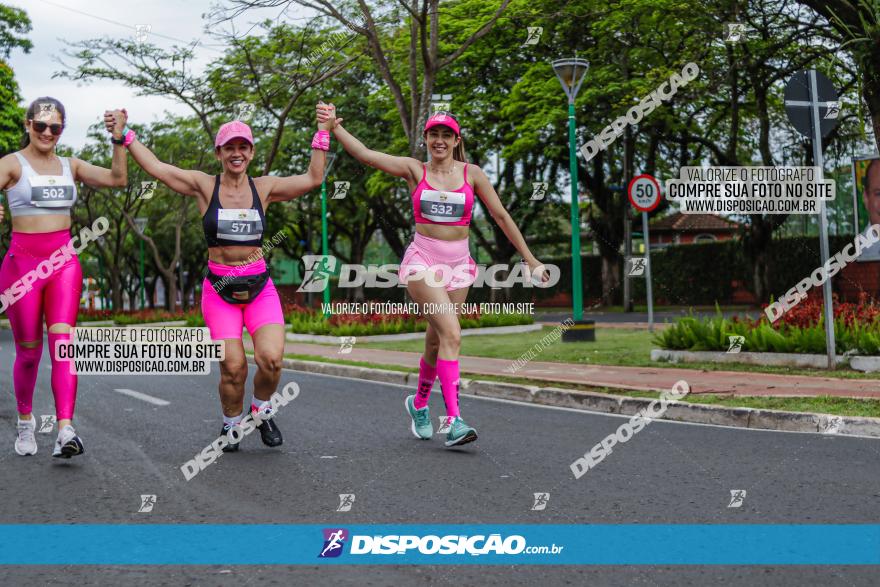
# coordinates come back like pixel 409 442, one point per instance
pixel 57 22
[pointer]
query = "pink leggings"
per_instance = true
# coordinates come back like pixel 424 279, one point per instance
pixel 225 320
pixel 55 296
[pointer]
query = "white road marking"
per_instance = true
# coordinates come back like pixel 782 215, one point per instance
pixel 328 457
pixel 142 396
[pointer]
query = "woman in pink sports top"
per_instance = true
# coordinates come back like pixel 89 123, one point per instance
pixel 437 267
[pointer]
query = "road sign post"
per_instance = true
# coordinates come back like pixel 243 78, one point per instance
pixel 644 195
pixel 805 93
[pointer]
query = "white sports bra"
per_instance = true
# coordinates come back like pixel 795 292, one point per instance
pixel 36 194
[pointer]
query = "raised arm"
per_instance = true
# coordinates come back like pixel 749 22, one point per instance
pixel 405 167
pixel 100 177
pixel 483 188
pixel 282 189
pixel 182 181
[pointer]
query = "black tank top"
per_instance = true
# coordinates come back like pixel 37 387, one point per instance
pixel 225 227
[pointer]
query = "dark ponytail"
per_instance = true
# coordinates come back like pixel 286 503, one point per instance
pixel 37 106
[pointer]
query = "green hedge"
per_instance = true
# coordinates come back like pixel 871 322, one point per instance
pixel 702 274
pixel 711 334
pixel 792 259
pixel 697 274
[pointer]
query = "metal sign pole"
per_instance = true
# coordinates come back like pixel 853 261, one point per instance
pixel 648 272
pixel 823 220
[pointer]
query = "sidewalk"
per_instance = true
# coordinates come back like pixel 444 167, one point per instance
pixel 635 378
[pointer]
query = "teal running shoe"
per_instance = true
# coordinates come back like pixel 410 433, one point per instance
pixel 460 433
pixel 421 419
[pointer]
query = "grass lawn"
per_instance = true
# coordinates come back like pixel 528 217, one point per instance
pixel 823 404
pixel 613 346
pixel 616 346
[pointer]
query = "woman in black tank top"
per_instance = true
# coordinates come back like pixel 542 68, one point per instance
pixel 237 291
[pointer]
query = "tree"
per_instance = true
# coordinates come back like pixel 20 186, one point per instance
pixel 858 23
pixel 14 23
pixel 11 114
pixel 214 97
pixel 420 49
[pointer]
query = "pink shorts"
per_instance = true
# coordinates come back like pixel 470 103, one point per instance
pixel 226 320
pixel 441 263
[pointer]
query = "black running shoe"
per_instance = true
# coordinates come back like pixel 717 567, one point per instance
pixel 232 446
pixel 269 433
pixel 68 444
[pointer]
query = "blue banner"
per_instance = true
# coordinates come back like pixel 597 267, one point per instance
pixel 606 544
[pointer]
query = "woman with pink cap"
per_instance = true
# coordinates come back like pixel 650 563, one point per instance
pixel 238 291
pixel 437 267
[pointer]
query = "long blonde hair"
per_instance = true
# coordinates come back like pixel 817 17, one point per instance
pixel 458 152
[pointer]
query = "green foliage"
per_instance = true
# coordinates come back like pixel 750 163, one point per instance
pixel 512 111
pixel 11 114
pixel 14 23
pixel 147 316
pixel 711 334
pixel 693 275
pixel 704 273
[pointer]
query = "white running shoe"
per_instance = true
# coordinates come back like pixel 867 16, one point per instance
pixel 68 443
pixel 26 443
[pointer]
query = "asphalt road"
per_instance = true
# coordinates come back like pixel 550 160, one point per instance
pixel 348 436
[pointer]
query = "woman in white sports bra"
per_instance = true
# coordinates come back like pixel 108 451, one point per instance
pixel 41 278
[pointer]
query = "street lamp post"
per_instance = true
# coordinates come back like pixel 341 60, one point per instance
pixel 141 224
pixel 571 72
pixel 331 158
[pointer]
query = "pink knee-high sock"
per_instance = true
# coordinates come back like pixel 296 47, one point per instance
pixel 447 371
pixel 427 375
pixel 24 375
pixel 63 381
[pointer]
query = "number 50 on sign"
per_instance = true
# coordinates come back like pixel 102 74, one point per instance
pixel 644 193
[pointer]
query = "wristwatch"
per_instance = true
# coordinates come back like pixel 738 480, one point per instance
pixel 127 138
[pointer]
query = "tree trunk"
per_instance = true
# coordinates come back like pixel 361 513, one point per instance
pixel 116 291
pixel 610 279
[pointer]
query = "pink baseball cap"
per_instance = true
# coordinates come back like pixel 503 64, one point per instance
pixel 233 130
pixel 443 119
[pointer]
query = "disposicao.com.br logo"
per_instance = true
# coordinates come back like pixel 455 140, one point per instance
pixel 451 544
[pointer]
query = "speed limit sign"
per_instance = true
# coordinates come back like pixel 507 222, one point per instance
pixel 644 192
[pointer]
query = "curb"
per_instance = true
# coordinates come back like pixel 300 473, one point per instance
pixel 867 364
pixel 324 338
pixel 754 418
pixel 748 358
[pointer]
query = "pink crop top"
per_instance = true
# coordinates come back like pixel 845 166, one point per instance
pixel 452 208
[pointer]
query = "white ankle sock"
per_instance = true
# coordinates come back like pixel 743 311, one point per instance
pixel 230 421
